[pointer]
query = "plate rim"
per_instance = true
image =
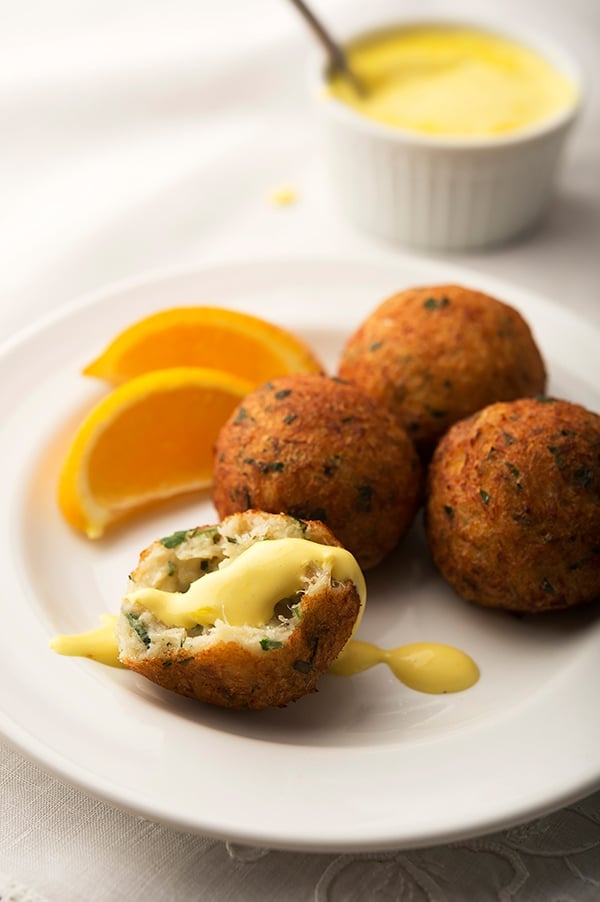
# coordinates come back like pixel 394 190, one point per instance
pixel 157 275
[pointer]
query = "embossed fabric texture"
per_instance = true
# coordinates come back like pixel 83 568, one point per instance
pixel 79 848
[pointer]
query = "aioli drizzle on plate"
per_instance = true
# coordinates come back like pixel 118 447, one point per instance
pixel 424 666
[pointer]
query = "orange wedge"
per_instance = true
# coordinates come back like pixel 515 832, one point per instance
pixel 149 439
pixel 214 337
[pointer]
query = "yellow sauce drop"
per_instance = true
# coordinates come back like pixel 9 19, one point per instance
pixel 453 82
pixel 424 666
pixel 283 197
pixel 99 644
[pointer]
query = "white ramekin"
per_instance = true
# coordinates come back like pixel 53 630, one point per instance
pixel 445 193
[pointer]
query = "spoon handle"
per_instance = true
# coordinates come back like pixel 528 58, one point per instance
pixel 336 55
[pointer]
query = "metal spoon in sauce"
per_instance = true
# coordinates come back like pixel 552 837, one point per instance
pixel 337 58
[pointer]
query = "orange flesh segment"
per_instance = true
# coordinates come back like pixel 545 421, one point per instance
pixel 150 438
pixel 217 338
pixel 121 466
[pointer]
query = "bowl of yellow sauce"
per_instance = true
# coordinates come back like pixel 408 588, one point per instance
pixel 456 139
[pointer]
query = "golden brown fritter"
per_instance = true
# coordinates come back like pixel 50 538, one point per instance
pixel 320 449
pixel 239 666
pixel 437 354
pixel 513 506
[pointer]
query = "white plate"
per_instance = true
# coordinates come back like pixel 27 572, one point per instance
pixel 365 763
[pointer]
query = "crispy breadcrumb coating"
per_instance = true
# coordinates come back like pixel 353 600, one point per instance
pixel 513 506
pixel 319 448
pixel 436 354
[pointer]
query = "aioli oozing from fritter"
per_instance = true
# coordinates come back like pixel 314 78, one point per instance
pixel 246 614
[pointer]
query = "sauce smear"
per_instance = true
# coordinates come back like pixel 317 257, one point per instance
pixel 424 666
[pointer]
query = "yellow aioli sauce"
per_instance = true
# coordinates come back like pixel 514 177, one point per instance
pixel 244 594
pixel 99 644
pixel 245 591
pixel 283 197
pixel 424 666
pixel 241 594
pixel 453 81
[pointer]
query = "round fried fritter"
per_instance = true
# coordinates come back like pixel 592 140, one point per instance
pixel 239 666
pixel 437 354
pixel 513 506
pixel 320 449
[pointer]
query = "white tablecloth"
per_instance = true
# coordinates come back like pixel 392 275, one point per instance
pixel 137 136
